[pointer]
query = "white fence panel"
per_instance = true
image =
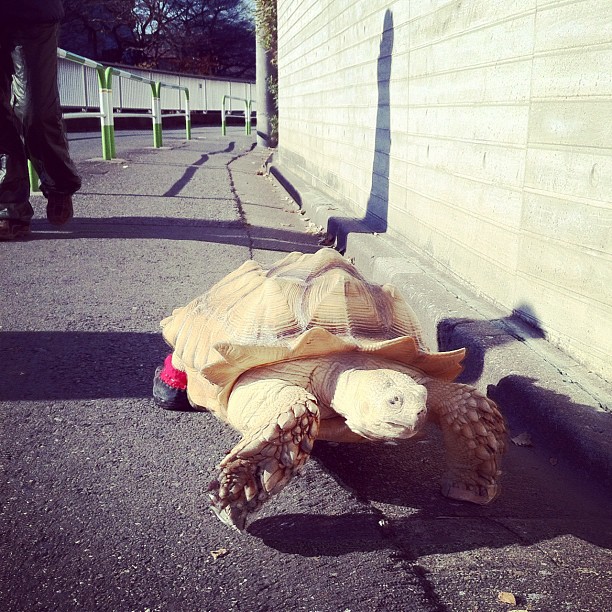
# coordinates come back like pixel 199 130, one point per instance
pixel 92 88
pixel 171 99
pixel 71 84
pixel 197 92
pixel 79 88
pixel 129 94
pixel 215 90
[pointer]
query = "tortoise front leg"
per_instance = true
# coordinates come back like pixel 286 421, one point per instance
pixel 278 439
pixel 474 434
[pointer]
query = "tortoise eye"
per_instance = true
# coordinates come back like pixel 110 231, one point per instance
pixel 395 401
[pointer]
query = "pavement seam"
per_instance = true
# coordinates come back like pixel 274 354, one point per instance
pixel 400 558
pixel 523 540
pixel 238 202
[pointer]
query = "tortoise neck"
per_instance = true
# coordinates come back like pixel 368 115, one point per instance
pixel 325 372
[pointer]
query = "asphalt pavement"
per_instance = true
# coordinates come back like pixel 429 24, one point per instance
pixel 104 503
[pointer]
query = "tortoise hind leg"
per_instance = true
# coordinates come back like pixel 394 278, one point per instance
pixel 474 434
pixel 267 457
pixel 169 386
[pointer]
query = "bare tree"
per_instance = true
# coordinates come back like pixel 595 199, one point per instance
pixel 99 30
pixel 214 37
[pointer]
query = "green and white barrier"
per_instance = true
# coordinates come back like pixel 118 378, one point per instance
pixel 106 102
pixel 106 114
pixel 33 176
pixel 247 114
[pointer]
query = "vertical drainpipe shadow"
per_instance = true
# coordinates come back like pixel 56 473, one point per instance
pixel 375 218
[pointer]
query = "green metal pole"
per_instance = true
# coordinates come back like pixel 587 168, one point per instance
pixel 109 81
pixel 157 119
pixel 106 109
pixel 187 115
pixel 223 126
pixel 34 180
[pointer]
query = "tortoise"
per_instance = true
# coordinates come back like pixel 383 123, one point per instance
pixel 307 350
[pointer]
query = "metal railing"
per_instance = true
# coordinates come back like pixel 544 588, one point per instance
pixel 78 85
pixel 86 84
pixel 106 111
pixel 247 113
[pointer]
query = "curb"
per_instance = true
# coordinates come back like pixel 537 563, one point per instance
pixel 541 391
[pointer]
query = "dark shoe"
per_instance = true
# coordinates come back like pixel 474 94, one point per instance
pixel 167 397
pixel 59 208
pixel 10 229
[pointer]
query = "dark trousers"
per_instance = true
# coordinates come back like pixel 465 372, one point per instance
pixel 30 119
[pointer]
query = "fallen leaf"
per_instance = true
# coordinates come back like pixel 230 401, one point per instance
pixel 523 439
pixel 221 552
pixel 311 228
pixel 507 598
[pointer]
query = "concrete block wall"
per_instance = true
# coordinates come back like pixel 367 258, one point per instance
pixel 478 132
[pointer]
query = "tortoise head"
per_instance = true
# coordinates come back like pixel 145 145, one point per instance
pixel 380 403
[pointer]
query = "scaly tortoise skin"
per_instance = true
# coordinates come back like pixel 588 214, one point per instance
pixel 311 350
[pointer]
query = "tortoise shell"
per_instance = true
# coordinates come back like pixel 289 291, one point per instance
pixel 305 305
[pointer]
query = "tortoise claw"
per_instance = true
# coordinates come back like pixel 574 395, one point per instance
pixel 235 494
pixel 261 465
pixel 228 515
pixel 474 493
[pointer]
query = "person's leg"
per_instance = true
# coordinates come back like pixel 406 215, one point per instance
pixel 37 105
pixel 15 209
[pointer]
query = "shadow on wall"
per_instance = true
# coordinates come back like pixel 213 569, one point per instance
pixel 480 336
pixel 375 219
